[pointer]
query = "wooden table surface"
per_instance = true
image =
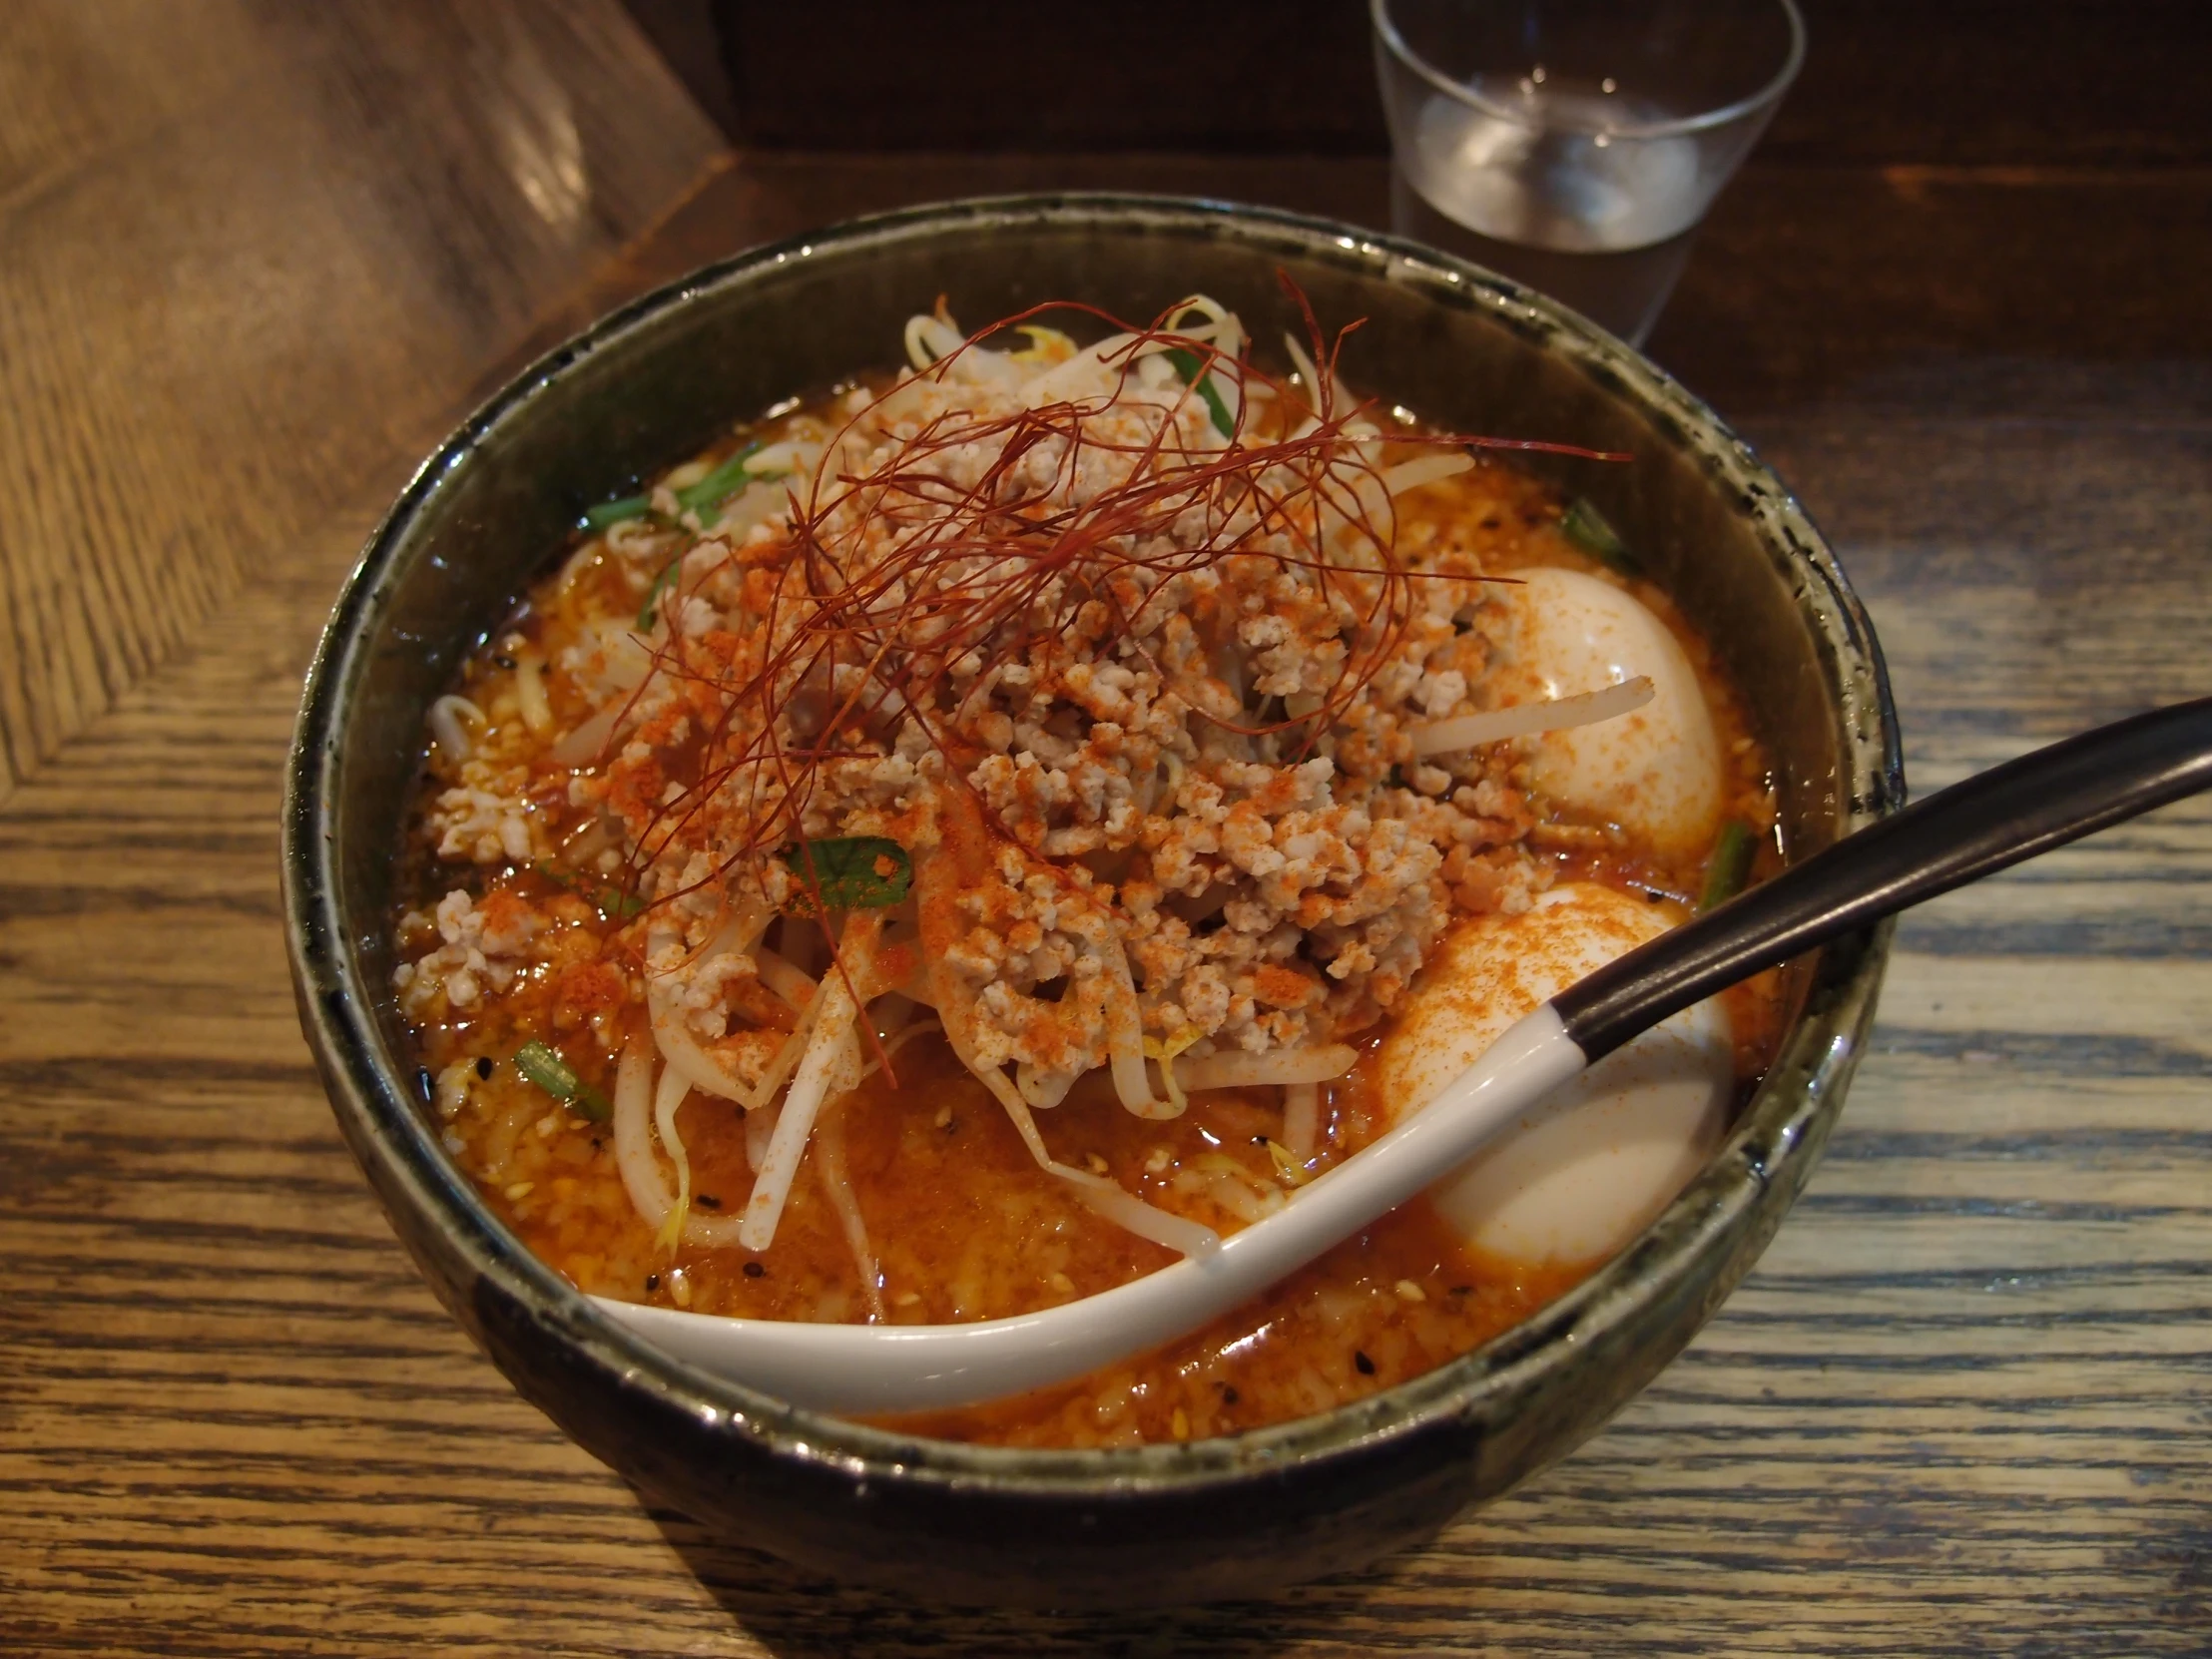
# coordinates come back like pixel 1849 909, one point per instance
pixel 253 267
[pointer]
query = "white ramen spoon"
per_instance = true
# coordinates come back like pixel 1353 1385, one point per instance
pixel 2011 812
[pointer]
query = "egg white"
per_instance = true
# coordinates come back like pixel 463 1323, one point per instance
pixel 1588 1170
pixel 1655 772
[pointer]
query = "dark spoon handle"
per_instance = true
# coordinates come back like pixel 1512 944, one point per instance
pixel 1959 834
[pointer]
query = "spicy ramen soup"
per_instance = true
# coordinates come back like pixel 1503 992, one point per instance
pixel 956 844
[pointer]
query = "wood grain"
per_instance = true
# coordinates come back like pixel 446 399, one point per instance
pixel 1962 1406
pixel 240 247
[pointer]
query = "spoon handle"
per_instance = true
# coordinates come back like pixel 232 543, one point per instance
pixel 1959 834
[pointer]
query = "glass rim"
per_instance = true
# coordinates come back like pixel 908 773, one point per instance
pixel 1705 121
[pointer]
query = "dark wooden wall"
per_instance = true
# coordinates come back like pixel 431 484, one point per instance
pixel 1941 81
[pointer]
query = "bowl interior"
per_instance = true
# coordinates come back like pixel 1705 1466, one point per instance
pixel 1464 349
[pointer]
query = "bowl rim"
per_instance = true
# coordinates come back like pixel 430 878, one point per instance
pixel 382 1123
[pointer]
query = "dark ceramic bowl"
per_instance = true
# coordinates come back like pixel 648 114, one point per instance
pixel 1217 1519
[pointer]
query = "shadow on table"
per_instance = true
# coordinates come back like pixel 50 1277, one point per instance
pixel 798 1615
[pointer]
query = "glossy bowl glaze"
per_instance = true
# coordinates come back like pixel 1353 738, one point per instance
pixel 1233 1516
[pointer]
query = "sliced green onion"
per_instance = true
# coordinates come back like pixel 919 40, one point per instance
pixel 541 1063
pixel 1585 526
pixel 1729 866
pixel 1187 365
pixel 725 481
pixel 653 594
pixel 612 903
pixel 851 872
pixel 559 877
pixel 610 513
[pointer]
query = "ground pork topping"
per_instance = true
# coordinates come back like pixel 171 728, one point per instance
pixel 1067 694
pixel 1177 661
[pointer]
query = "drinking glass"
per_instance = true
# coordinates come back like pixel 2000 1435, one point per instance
pixel 1576 144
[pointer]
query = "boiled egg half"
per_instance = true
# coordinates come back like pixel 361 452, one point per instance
pixel 1655 772
pixel 1586 1171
